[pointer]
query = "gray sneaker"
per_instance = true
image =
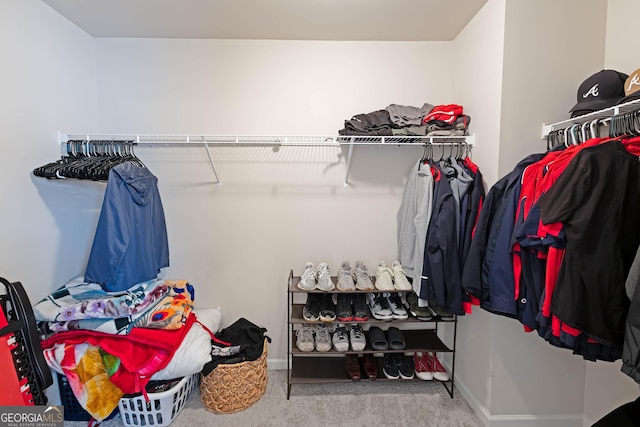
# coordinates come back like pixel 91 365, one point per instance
pixel 308 280
pixel 363 281
pixel 345 278
pixel 356 336
pixel 379 306
pixel 398 310
pixel 304 338
pixel 324 278
pixel 323 338
pixel 340 339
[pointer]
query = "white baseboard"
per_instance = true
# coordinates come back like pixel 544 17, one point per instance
pixel 276 364
pixel 587 422
pixel 519 420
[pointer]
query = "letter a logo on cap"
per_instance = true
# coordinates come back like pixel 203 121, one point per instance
pixel 593 91
pixel 634 80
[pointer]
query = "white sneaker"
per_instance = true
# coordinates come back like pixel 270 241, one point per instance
pixel 398 310
pixel 340 339
pixel 323 338
pixel 356 336
pixel 304 338
pixel 363 281
pixel 384 280
pixel 308 280
pixel 379 307
pixel 345 278
pixel 400 280
pixel 324 278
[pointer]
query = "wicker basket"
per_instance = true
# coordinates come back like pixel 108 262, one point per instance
pixel 235 387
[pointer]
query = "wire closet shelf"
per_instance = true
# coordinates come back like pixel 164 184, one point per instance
pixel 209 141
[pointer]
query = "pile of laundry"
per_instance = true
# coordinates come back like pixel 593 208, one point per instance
pixel 395 119
pixel 109 344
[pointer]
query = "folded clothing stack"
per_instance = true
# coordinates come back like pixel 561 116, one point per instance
pixel 407 120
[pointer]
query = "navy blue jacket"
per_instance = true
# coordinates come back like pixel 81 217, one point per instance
pixel 130 245
pixel 441 267
pixel 472 271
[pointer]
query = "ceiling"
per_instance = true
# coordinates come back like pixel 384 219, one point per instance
pixel 394 20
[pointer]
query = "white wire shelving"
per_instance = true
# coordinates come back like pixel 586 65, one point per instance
pixel 272 141
pixel 603 115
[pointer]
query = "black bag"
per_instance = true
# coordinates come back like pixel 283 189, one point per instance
pixel 242 341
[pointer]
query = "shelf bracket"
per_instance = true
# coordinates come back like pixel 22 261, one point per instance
pixel 346 177
pixel 213 166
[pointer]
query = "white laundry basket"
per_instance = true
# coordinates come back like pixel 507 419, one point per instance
pixel 162 407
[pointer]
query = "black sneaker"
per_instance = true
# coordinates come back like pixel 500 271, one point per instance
pixel 390 366
pixel 439 311
pixel 311 310
pixel 360 309
pixel 344 308
pixel 420 313
pixel 327 308
pixel 406 368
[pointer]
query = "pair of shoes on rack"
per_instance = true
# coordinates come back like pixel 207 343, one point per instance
pixel 420 313
pixel 428 312
pixel 310 337
pixel 398 365
pixel 354 366
pixel 352 307
pixel 354 336
pixel 388 279
pixel 361 276
pixel 319 307
pixel 387 306
pixel 428 367
pixel 312 279
pixel 393 339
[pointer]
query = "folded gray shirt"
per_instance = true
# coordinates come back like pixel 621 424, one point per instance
pixel 406 115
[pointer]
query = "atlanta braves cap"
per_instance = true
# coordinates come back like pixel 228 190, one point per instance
pixel 601 90
pixel 631 87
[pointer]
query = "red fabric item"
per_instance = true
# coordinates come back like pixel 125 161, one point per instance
pixel 467 307
pixel 142 352
pixel 472 166
pixel 474 300
pixel 444 113
pixel 569 330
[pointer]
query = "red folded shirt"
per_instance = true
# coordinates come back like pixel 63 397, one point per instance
pixel 444 113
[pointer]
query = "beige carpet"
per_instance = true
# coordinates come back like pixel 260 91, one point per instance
pixel 364 403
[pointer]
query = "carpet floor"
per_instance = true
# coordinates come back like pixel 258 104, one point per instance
pixel 363 403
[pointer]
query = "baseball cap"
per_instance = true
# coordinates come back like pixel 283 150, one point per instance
pixel 631 87
pixel 601 90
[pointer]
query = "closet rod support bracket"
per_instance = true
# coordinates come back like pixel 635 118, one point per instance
pixel 346 178
pixel 213 165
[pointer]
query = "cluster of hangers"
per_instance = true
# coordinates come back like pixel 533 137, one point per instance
pixel 89 160
pixel 626 124
pixel 457 150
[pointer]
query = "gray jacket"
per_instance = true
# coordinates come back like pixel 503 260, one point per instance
pixel 413 220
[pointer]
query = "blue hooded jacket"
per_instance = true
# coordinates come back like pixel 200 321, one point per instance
pixel 130 245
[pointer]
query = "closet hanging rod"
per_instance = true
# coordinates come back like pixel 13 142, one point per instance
pixel 208 141
pixel 269 140
pixel 605 113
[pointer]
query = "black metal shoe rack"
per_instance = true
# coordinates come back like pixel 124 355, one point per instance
pixel 329 367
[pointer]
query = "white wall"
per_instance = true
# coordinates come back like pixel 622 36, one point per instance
pixel 48 82
pixel 478 87
pixel 275 210
pixel 606 387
